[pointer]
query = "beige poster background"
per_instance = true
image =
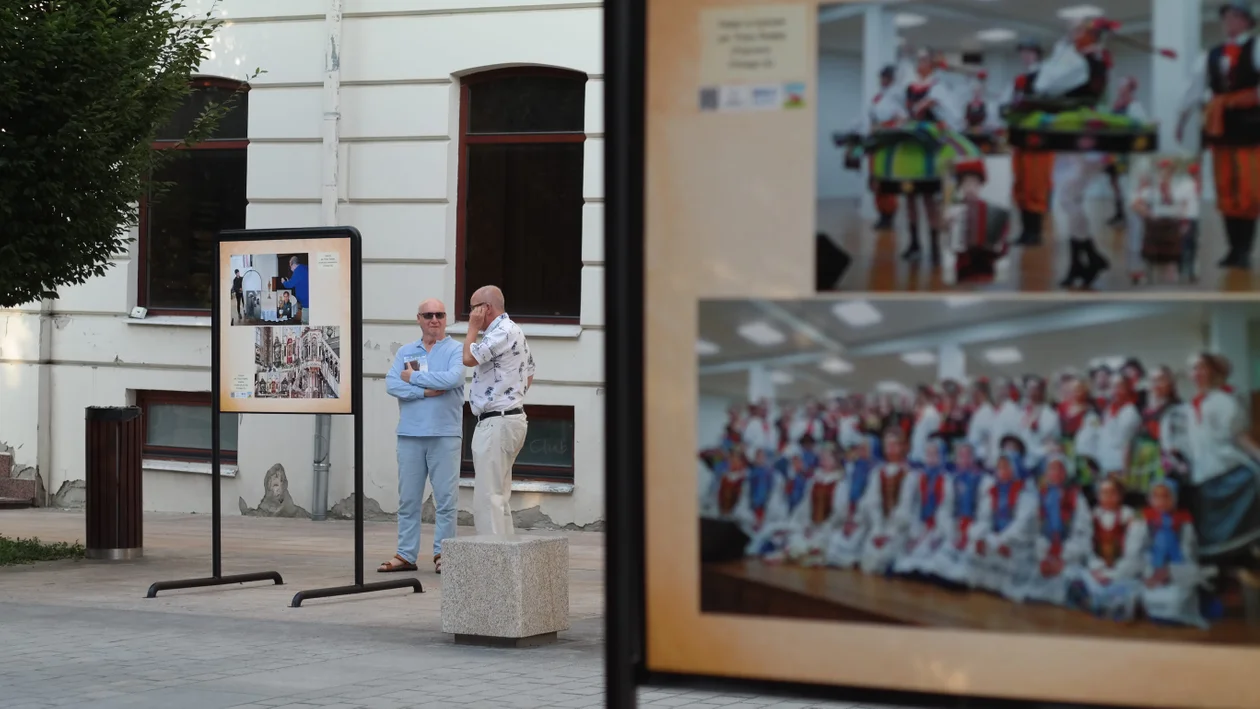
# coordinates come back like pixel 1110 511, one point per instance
pixel 730 212
pixel 329 284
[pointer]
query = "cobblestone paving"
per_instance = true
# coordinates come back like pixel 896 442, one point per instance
pixel 55 656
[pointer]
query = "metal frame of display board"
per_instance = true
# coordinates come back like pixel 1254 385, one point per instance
pixel 626 667
pixel 356 411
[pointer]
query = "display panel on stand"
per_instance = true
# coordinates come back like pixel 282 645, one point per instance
pixel 288 307
pixel 949 327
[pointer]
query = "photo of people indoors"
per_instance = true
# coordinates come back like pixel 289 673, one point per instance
pixel 1028 466
pixel 270 289
pixel 297 362
pixel 1039 146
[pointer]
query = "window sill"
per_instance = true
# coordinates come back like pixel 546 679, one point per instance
pixel 531 486
pixel 172 321
pixel 185 466
pixel 539 330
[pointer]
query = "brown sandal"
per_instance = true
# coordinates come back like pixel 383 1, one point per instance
pixel 397 564
pixel 437 563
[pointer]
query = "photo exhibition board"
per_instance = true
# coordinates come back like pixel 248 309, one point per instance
pixel 285 309
pixel 737 162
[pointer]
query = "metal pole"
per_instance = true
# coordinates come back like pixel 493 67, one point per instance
pixel 331 166
pixel 216 523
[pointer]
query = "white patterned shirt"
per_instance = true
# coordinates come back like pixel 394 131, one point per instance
pixel 504 366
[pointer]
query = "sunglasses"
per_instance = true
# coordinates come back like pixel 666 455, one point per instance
pixel 430 316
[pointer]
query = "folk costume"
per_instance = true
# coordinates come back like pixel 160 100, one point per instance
pixel 1062 115
pixel 1006 527
pixel 981 120
pixel 1168 231
pixel 1108 585
pixel 914 158
pixel 1172 575
pixel 1231 129
pixel 844 548
pixel 1031 169
pixel 1225 492
pixel 952 562
pixel 887 508
pixel 887 110
pixel 1117 168
pixel 931 492
pixel 982 426
pixel 1063 539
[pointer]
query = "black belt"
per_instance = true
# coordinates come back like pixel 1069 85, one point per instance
pixel 492 414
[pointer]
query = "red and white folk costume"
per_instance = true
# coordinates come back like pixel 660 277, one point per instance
pixel 1063 539
pixel 1038 425
pixel 1005 528
pixel 1107 585
pixel 1172 576
pixel 931 493
pixel 818 515
pixel 927 422
pixel 887 508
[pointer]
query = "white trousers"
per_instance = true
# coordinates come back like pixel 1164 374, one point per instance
pixel 1073 172
pixel 495 445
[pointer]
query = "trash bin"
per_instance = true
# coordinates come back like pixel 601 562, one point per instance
pixel 114 490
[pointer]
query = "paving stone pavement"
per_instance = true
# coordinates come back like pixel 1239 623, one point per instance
pixel 55 656
pixel 81 634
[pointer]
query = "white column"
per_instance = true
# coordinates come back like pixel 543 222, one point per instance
pixel 951 363
pixel 1175 25
pixel 879 49
pixel 760 386
pixel 1228 335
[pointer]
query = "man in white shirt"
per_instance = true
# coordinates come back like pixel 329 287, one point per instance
pixel 503 371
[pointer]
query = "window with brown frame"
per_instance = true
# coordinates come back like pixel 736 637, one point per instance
pixel 547 453
pixel 519 223
pixel 177 426
pixel 203 192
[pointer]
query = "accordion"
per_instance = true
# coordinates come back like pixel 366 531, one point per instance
pixel 984 225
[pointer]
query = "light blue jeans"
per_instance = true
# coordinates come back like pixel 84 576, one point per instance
pixel 435 459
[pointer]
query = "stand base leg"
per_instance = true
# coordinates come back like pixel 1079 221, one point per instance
pixel 487 641
pixel 412 583
pixel 214 581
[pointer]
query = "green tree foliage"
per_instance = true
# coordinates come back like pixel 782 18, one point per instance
pixel 84 87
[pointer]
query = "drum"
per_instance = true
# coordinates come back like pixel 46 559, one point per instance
pixel 1062 128
pixel 915 158
pixel 1162 241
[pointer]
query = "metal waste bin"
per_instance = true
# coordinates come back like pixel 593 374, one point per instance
pixel 114 490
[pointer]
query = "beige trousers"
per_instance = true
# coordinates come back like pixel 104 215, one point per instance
pixel 495 444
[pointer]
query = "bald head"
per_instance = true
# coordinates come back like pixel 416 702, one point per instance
pixel 492 298
pixel 432 318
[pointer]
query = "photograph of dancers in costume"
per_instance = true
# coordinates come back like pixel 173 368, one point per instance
pixel 1225 88
pixel 1108 496
pixel 1068 124
pixel 913 143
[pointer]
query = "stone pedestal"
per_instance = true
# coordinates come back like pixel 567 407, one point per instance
pixel 505 591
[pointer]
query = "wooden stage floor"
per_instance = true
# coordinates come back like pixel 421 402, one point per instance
pixel 753 587
pixel 877 265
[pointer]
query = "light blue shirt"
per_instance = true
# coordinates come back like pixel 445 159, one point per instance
pixel 440 368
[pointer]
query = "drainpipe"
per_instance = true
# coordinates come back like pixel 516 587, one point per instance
pixel 328 208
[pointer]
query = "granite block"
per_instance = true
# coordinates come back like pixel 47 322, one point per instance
pixel 6 465
pixel 505 586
